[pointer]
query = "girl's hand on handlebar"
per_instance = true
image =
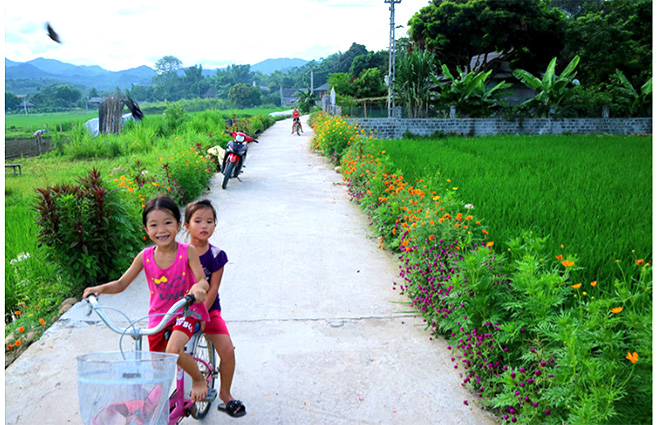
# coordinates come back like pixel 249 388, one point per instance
pixel 199 293
pixel 91 290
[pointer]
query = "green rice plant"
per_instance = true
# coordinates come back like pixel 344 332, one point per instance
pixel 590 195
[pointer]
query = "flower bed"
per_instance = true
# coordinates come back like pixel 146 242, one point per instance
pixel 534 345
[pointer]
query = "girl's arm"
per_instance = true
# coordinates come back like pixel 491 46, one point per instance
pixel 117 286
pixel 199 289
pixel 214 287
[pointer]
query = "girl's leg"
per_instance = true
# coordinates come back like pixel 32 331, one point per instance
pixel 225 349
pixel 175 345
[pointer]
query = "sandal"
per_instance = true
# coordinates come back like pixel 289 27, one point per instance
pixel 234 408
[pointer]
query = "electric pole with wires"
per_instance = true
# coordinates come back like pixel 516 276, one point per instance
pixel 391 86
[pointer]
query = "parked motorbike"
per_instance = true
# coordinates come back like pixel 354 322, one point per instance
pixel 235 154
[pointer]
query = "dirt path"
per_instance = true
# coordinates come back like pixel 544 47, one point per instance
pixel 319 333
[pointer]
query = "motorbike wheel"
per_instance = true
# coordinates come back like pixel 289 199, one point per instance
pixel 229 170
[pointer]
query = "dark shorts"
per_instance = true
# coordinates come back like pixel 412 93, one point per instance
pixel 158 342
pixel 296 119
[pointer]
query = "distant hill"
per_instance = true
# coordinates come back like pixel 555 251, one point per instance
pixel 281 64
pixel 27 77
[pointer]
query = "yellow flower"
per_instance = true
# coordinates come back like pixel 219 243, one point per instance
pixel 576 286
pixel 567 263
pixel 489 244
pixel 632 357
pixel 593 283
pixel 616 310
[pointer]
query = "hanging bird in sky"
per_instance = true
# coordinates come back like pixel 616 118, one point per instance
pixel 52 34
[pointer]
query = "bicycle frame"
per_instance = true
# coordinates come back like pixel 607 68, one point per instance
pixel 180 404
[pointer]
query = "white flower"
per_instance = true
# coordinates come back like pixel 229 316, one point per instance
pixel 22 256
pixel 145 172
pixel 469 206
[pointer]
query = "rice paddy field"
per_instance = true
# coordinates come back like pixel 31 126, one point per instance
pixel 590 193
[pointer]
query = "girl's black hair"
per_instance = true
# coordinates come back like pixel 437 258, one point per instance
pixel 161 203
pixel 193 207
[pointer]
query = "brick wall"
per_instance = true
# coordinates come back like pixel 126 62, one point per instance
pixel 393 128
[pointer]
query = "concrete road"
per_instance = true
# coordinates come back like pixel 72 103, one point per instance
pixel 320 336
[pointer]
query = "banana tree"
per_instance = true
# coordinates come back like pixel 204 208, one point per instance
pixel 306 100
pixel 551 90
pixel 469 92
pixel 639 103
pixel 414 82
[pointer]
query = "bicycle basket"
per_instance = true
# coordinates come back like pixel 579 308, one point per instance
pixel 125 388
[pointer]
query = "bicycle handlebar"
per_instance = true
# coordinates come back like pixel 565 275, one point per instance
pixel 185 302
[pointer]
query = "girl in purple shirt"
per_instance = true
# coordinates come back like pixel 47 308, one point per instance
pixel 200 220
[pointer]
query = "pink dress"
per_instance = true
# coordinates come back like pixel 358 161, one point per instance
pixel 167 286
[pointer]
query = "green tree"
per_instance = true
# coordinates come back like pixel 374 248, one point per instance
pixel 617 37
pixel 244 95
pixel 524 32
pixel 67 95
pixel 194 84
pixel 341 81
pixel 552 90
pixel 168 65
pixel 369 84
pixel 306 100
pixel 346 59
pixel 11 102
pixel 378 60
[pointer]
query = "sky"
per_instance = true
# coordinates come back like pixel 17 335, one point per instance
pixel 121 35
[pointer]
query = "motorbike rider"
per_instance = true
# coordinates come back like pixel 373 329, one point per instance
pixel 296 120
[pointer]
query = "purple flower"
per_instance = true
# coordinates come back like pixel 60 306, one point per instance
pixel 522 369
pixel 513 374
pixel 465 402
pixel 535 404
pixel 547 412
pixel 513 419
pixel 537 372
pixel 543 363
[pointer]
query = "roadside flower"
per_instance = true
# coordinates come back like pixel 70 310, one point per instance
pixel 593 283
pixel 10 347
pixel 469 206
pixel 640 262
pixel 489 244
pixel 17 313
pixel 576 286
pixel 560 257
pixel 617 310
pixel 632 357
pixel 567 263
pixel 17 343
pixel 21 329
pixel 42 321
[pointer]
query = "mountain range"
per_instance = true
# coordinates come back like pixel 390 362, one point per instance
pixel 25 77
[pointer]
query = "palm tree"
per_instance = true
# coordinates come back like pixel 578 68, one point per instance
pixel 306 100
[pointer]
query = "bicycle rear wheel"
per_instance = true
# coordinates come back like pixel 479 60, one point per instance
pixel 204 350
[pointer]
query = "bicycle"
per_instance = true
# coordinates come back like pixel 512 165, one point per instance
pixel 298 126
pixel 180 405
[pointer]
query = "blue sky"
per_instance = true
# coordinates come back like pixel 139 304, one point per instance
pixel 123 35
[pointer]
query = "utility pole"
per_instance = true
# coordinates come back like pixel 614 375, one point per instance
pixel 312 81
pixel 391 92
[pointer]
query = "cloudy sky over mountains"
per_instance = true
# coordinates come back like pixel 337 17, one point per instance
pixel 123 35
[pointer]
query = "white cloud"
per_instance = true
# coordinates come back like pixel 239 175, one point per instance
pixel 120 36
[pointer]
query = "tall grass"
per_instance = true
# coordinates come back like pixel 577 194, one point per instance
pixel 21 126
pixel 591 194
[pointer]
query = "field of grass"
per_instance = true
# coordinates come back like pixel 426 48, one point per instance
pixel 19 126
pixel 591 194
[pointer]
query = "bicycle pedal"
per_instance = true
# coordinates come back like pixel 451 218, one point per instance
pixel 213 394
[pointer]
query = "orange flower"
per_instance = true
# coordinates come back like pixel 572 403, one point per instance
pixel 617 310
pixel 576 286
pixel 567 263
pixel 18 313
pixel 640 262
pixel 42 321
pixel 431 237
pixel 469 217
pixel 404 243
pixel 489 244
pixel 18 343
pixel 394 231
pixel 485 231
pixel 593 283
pixel 560 257
pixel 10 347
pixel 632 357
pixel 21 329
pixel 479 223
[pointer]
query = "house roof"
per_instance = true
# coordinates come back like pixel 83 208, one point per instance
pixel 323 87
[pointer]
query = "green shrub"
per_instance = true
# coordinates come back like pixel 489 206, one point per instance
pixel 85 229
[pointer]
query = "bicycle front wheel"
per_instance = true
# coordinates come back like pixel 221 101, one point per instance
pixel 204 353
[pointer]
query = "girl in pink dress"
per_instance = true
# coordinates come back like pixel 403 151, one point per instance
pixel 172 270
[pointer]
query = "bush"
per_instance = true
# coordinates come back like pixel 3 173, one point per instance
pixel 86 229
